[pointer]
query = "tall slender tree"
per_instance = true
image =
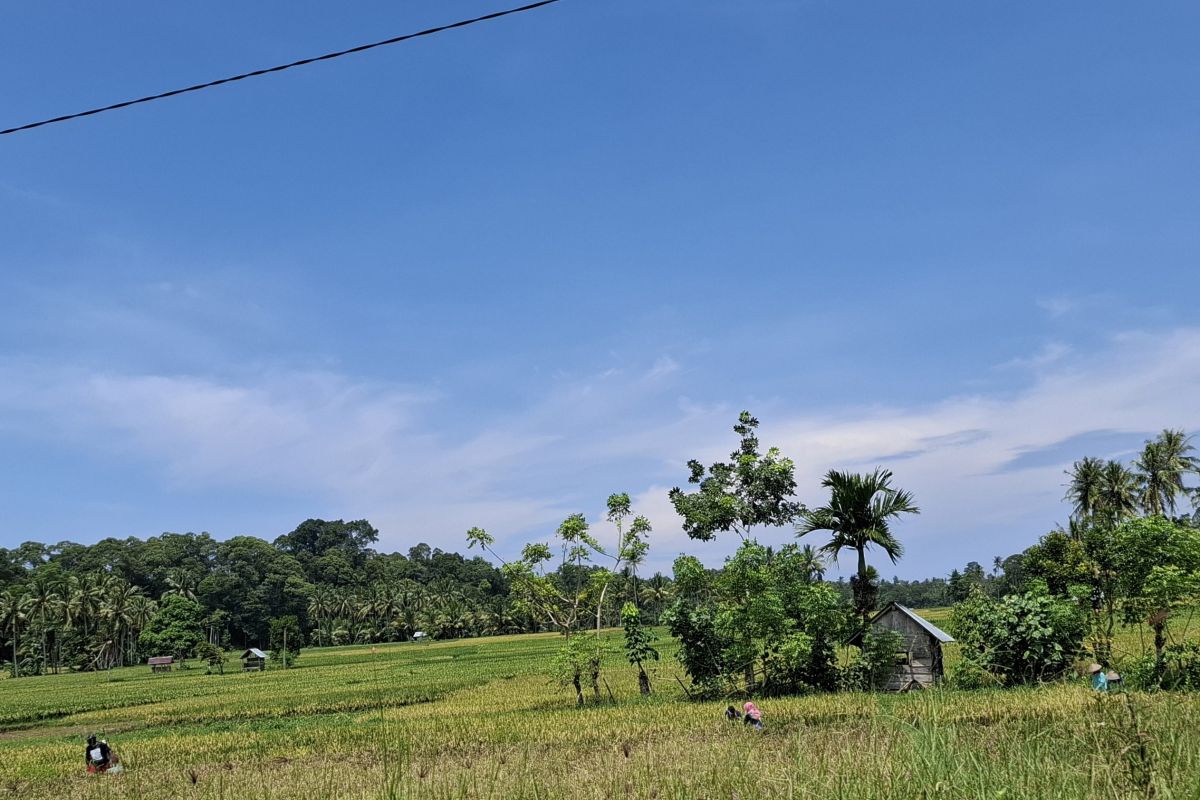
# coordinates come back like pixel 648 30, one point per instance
pixel 859 513
pixel 1118 493
pixel 43 600
pixel 13 606
pixel 1161 468
pixel 1085 488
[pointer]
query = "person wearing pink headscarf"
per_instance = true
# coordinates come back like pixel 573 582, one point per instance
pixel 753 716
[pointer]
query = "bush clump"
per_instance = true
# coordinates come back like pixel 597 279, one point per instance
pixel 1024 638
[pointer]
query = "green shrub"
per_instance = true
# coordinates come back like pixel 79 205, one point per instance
pixel 1020 638
pixel 1181 669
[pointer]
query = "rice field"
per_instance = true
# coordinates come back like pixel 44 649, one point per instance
pixel 479 719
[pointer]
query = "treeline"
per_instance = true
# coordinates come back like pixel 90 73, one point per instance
pixel 768 621
pixel 119 601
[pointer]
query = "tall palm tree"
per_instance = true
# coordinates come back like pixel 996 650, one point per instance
pixel 1161 467
pixel 859 512
pixel 141 610
pixel 181 582
pixel 1118 492
pixel 43 601
pixel 117 612
pixel 1084 490
pixel 12 619
pixel 320 607
pixel 813 561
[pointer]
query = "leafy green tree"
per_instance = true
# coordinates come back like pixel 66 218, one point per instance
pixel 329 547
pixel 547 595
pixel 211 655
pixel 655 595
pixel 859 515
pixel 175 629
pixel 1014 575
pixel 751 615
pixel 1022 638
pixel 1060 561
pixel 638 644
pixel 749 490
pixel 692 620
pixel 253 582
pixel 758 618
pixel 1158 567
pixel 803 659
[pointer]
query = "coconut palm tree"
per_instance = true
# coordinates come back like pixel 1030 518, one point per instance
pixel 13 607
pixel 141 610
pixel 859 512
pixel 182 583
pixel 117 611
pixel 1084 490
pixel 320 608
pixel 813 562
pixel 1118 493
pixel 43 601
pixel 1161 467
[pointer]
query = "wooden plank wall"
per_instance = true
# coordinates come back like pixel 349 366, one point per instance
pixel 924 664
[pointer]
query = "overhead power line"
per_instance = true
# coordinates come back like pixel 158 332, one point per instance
pixel 301 63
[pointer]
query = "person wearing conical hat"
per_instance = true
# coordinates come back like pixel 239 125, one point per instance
pixel 1099 679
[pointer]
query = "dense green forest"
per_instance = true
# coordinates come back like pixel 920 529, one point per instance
pixel 115 602
pixel 92 606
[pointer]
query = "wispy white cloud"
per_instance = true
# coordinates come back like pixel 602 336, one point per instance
pixel 1049 353
pixel 370 447
pixel 1058 306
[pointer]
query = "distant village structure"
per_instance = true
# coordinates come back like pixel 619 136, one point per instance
pixel 919 660
pixel 254 660
pixel 160 663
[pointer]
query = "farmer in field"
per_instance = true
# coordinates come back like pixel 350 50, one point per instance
pixel 100 757
pixel 753 716
pixel 732 714
pixel 1099 679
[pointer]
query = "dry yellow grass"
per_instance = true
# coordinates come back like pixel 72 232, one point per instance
pixel 478 719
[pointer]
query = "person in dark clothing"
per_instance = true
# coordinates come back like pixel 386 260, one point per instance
pixel 732 714
pixel 98 755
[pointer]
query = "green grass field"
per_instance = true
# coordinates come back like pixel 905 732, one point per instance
pixel 479 718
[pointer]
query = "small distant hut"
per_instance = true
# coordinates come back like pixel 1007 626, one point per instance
pixel 419 636
pixel 160 663
pixel 254 660
pixel 919 659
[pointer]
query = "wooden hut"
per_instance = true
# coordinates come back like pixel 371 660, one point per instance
pixel 160 663
pixel 919 659
pixel 254 660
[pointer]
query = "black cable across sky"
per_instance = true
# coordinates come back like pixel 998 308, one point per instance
pixel 301 63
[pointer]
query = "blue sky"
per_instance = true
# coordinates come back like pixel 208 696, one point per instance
pixel 489 277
